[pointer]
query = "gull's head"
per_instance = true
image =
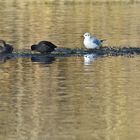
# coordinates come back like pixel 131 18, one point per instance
pixel 87 35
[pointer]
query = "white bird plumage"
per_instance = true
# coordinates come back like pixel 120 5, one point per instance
pixel 92 42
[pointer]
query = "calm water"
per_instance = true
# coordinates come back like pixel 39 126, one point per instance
pixel 69 98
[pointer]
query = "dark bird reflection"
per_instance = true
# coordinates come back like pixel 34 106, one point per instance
pixel 5 57
pixel 43 59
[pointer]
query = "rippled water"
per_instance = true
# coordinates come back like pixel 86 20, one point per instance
pixel 69 98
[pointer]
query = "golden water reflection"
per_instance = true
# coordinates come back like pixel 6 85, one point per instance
pixel 25 23
pixel 69 99
pixel 54 103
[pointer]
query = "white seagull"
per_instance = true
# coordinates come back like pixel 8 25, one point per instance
pixel 92 42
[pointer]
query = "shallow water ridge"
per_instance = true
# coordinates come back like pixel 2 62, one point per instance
pixel 74 97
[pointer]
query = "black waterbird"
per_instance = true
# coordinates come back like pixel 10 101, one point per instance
pixel 5 48
pixel 44 47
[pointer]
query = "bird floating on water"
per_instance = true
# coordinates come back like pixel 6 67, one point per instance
pixel 5 48
pixel 92 42
pixel 44 47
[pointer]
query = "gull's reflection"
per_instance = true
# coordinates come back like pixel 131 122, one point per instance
pixel 89 58
pixel 43 59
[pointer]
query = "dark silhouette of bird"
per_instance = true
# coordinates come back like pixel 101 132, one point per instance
pixel 5 48
pixel 44 47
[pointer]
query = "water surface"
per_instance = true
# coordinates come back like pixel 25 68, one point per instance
pixel 69 98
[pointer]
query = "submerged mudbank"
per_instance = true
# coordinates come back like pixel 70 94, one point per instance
pixel 104 51
pixel 67 52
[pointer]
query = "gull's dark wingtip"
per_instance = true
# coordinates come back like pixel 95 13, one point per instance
pixel 102 40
